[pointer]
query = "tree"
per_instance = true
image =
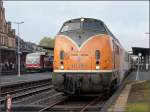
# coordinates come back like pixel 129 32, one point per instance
pixel 47 41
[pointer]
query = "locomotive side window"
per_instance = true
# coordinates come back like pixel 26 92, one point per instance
pixel 126 57
pixel 117 49
pixel 62 55
pixel 97 54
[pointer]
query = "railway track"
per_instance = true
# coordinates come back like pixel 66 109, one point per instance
pixel 24 89
pixel 30 96
pixel 76 104
pixel 57 102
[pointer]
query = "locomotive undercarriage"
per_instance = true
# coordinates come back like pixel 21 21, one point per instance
pixel 73 83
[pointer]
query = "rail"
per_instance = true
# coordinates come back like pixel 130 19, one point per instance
pixel 64 104
pixel 52 105
pixel 90 103
pixel 23 89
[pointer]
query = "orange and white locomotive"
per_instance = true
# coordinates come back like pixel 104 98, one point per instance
pixel 88 58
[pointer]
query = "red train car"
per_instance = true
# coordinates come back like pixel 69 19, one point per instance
pixel 39 61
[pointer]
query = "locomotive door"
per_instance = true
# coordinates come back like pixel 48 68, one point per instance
pixel 79 60
pixel 41 61
pixel 114 60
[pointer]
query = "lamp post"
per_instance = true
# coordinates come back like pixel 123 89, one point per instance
pixel 149 50
pixel 137 75
pixel 0 60
pixel 0 68
pixel 18 52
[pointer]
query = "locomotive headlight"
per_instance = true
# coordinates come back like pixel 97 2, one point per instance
pixel 82 19
pixel 97 67
pixel 61 67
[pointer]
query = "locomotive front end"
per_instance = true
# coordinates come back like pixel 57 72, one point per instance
pixel 82 57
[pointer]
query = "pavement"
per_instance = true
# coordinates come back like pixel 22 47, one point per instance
pixel 143 75
pixel 120 105
pixel 11 79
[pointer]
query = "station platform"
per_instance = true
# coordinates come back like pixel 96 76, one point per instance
pixel 13 79
pixel 132 95
pixel 142 75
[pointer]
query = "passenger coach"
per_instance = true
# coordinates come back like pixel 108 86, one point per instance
pixel 88 58
pixel 39 61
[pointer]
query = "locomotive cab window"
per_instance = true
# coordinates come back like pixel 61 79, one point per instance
pixel 87 25
pixel 71 26
pixel 93 26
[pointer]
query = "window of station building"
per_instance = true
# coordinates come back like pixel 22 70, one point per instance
pixel 3 40
pixel 0 38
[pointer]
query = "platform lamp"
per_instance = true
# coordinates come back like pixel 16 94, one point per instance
pixel 138 70
pixel 0 68
pixel 18 52
pixel 149 50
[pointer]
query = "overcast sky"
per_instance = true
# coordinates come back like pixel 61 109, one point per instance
pixel 128 21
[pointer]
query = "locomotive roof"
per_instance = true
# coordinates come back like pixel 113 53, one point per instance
pixel 92 20
pixel 85 19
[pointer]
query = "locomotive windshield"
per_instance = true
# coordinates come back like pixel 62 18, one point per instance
pixel 70 26
pixel 87 25
pixel 93 26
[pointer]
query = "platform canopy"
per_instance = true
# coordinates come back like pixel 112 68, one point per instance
pixel 46 47
pixel 143 51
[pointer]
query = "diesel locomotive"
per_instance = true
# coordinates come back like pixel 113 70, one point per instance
pixel 88 58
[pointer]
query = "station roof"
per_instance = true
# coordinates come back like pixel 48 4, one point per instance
pixel 143 51
pixel 46 47
pixel 7 48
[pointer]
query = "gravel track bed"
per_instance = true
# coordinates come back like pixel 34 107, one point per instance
pixel 50 100
pixel 33 98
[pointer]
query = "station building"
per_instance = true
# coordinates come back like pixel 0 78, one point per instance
pixel 8 46
pixel 7 43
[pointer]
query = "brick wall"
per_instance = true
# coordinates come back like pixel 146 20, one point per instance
pixel 7 35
